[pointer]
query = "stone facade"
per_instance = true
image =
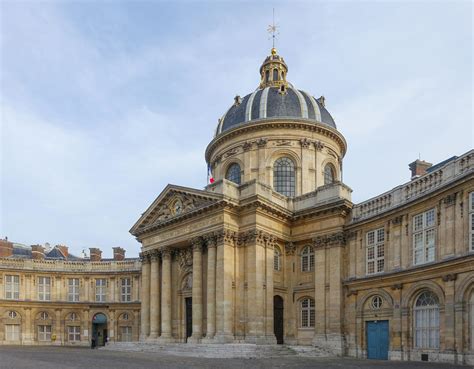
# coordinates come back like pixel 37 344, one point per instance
pixel 58 299
pixel 241 262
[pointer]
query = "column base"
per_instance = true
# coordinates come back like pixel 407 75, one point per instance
pixel 209 339
pixel 166 339
pixel 195 339
pixel 143 337
pixel 223 338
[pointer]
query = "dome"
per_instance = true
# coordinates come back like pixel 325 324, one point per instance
pixel 275 98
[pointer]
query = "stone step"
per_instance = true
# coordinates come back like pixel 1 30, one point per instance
pixel 231 350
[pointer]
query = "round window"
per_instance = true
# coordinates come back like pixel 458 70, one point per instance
pixel 44 315
pixel 12 314
pixel 376 302
pixel 125 316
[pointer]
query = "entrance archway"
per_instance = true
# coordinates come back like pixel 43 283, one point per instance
pixel 278 318
pixel 99 329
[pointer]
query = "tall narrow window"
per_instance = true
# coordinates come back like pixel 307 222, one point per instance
pixel 233 173
pixel 74 333
pixel 284 176
pixel 100 289
pixel 12 332
pixel 307 259
pixel 126 334
pixel 126 290
pixel 426 321
pixel 472 320
pixel 307 313
pixel 277 259
pixel 375 251
pixel 44 288
pixel 424 237
pixel 275 74
pixel 44 333
pixel 12 287
pixel 329 174
pixel 73 290
pixel 267 75
pixel 471 221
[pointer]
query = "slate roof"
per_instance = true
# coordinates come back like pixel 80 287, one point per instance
pixel 270 103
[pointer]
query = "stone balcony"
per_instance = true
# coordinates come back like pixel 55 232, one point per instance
pixel 436 178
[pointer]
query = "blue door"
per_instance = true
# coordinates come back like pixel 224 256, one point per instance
pixel 377 339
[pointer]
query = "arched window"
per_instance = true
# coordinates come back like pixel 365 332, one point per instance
pixel 275 74
pixel 307 313
pixel 233 173
pixel 44 315
pixel 329 174
pixel 284 176
pixel 307 259
pixel 267 75
pixel 426 321
pixel 277 259
pixel 73 317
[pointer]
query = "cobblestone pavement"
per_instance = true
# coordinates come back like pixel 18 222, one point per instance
pixel 71 358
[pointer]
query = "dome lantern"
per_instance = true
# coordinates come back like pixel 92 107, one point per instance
pixel 273 72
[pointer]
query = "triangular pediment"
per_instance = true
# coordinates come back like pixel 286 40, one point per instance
pixel 174 202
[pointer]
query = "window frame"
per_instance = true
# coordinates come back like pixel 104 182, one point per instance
pixel 74 331
pixel 44 332
pixel 12 287
pixel 128 334
pixel 126 290
pixel 332 172
pixel 276 259
pixel 378 251
pixel 100 289
pixel 284 176
pixel 420 230
pixel 307 259
pixel 232 176
pixel 307 313
pixel 73 292
pixel 44 289
pixel 9 334
pixel 426 332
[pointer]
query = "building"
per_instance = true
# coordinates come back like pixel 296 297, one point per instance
pixel 50 297
pixel 274 250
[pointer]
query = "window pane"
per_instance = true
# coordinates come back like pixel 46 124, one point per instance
pixel 233 173
pixel 284 176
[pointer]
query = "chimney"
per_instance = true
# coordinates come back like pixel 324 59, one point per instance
pixel 37 252
pixel 418 168
pixel 6 248
pixel 95 254
pixel 64 250
pixel 119 253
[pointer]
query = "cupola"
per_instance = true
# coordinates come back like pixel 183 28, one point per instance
pixel 273 71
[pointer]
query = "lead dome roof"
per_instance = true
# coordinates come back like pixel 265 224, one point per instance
pixel 275 99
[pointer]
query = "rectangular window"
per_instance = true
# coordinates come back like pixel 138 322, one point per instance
pixel 471 221
pixel 100 289
pixel 44 288
pixel 44 333
pixel 12 287
pixel 126 290
pixel 73 289
pixel 74 333
pixel 126 334
pixel 424 237
pixel 375 260
pixel 12 332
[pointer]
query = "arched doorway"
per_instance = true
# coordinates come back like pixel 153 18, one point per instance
pixel 278 318
pixel 99 329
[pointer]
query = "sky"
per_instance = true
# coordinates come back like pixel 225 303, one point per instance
pixel 104 103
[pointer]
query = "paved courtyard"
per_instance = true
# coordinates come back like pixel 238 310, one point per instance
pixel 62 357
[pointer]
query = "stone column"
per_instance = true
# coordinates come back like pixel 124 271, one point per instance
pixel 166 296
pixel 396 334
pixel 319 339
pixel 57 328
pixel 154 296
pixel 197 290
pixel 449 314
pixel 211 288
pixel 224 279
pixel 269 260
pixel 145 298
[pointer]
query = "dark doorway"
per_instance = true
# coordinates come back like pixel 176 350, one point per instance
pixel 278 318
pixel 377 339
pixel 99 329
pixel 189 316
